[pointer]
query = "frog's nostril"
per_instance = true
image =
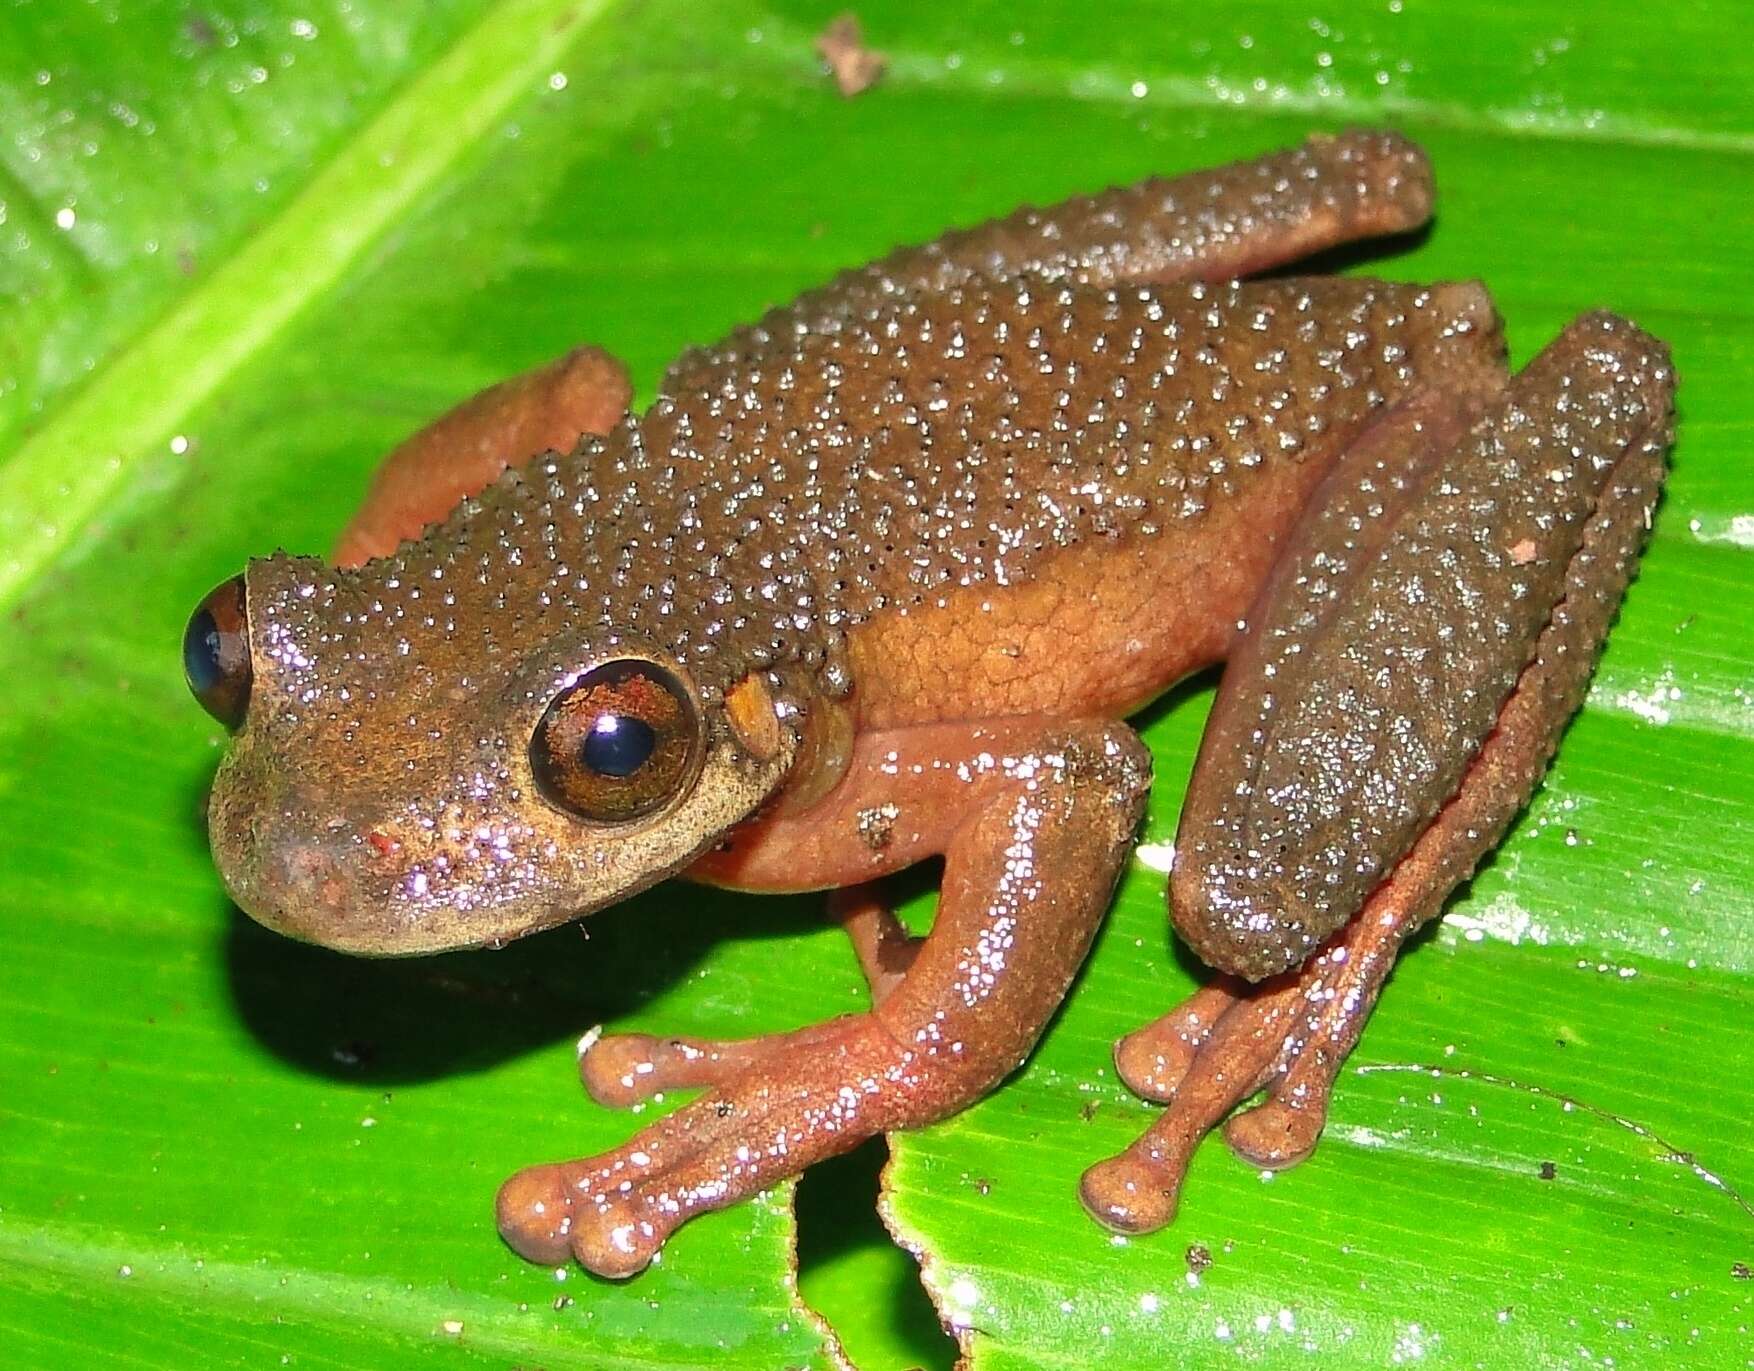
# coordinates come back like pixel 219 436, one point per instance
pixel 299 885
pixel 312 875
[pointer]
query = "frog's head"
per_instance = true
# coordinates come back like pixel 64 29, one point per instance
pixel 448 748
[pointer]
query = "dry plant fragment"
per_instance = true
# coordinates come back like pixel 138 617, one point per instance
pixel 854 66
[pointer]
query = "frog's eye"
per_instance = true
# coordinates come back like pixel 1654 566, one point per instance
pixel 620 742
pixel 216 653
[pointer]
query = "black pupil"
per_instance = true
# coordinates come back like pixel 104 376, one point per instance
pixel 201 651
pixel 619 745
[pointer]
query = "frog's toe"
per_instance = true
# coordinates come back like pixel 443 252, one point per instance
pixel 1130 1194
pixel 625 1068
pixel 1335 994
pixel 534 1212
pixel 1278 1133
pixel 1154 1059
pixel 610 1240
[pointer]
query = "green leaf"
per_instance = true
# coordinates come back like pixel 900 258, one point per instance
pixel 241 255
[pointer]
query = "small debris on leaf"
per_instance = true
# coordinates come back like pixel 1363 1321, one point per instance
pixel 854 66
pixel 1199 1256
pixel 1548 1171
pixel 1742 1271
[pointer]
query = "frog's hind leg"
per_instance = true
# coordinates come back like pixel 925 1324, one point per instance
pixel 1289 1034
pixel 624 1068
pixel 881 942
pixel 1591 418
pixel 460 453
pixel 1209 225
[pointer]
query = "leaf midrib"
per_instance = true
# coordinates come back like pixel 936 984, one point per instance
pixel 60 479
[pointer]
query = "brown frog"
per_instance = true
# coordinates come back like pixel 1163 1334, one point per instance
pixel 878 578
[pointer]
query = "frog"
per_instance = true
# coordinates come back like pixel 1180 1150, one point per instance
pixel 879 579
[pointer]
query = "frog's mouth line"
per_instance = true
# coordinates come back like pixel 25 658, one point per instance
pixel 356 889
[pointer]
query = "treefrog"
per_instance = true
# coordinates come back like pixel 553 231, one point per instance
pixel 878 579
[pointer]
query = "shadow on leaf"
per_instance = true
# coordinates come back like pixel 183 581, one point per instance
pixel 399 1021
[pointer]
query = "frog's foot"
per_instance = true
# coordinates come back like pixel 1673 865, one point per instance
pixel 625 1068
pixel 1032 843
pixel 1595 404
pixel 463 452
pixel 1223 1044
pixel 850 1079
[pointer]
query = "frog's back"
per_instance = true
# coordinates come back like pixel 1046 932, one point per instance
pixel 976 489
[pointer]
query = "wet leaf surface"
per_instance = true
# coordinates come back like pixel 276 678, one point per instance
pixel 243 254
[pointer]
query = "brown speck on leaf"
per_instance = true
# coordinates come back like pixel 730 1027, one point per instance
pixel 1548 1171
pixel 1198 1256
pixel 1742 1271
pixel 201 33
pixel 1089 1111
pixel 854 66
pixel 1523 552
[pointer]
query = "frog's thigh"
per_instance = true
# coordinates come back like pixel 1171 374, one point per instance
pixel 460 453
pixel 1601 393
pixel 1033 819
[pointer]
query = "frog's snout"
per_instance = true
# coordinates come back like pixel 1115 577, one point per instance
pixel 310 885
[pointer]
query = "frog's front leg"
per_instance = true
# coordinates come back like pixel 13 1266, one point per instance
pixel 1405 678
pixel 1033 818
pixel 464 450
